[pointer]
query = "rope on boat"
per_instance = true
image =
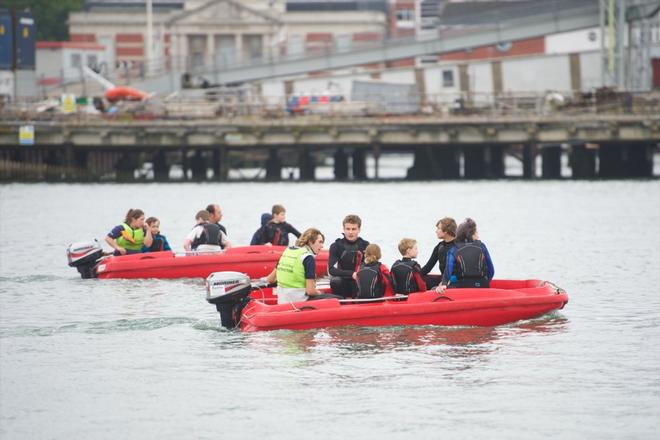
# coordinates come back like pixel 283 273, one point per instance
pixel 558 289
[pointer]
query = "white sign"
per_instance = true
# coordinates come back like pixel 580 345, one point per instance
pixel 7 83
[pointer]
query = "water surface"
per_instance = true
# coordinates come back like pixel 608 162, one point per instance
pixel 138 359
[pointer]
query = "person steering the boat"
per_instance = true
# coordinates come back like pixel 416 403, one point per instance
pixel 205 236
pixel 373 278
pixel 406 272
pixel 130 236
pixel 468 260
pixel 159 243
pixel 345 257
pixel 276 231
pixel 215 215
pixel 445 230
pixel 295 272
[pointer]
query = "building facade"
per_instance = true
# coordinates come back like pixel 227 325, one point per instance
pixel 62 62
pixel 188 34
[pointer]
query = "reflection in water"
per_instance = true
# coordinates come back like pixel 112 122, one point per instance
pixel 357 341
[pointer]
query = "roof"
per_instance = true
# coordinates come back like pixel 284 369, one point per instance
pixel 494 11
pixel 69 45
pixel 336 5
pixel 211 3
pixel 132 4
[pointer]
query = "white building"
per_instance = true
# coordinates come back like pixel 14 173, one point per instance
pixel 191 33
pixel 61 62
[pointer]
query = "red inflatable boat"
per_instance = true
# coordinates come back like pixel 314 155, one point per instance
pixel 255 261
pixel 504 302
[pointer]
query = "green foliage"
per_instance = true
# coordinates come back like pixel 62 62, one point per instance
pixel 51 16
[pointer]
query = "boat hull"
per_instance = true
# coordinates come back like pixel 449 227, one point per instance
pixel 505 302
pixel 255 261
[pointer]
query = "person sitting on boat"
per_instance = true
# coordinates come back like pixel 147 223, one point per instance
pixel 256 237
pixel 445 230
pixel 468 260
pixel 130 236
pixel 345 257
pixel 373 277
pixel 276 231
pixel 205 236
pixel 406 272
pixel 215 215
pixel 159 243
pixel 295 272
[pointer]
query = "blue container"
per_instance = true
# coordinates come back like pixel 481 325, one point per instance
pixel 6 41
pixel 25 37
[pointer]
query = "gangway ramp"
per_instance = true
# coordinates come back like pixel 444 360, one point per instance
pixel 564 16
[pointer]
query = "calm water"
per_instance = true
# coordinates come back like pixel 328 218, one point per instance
pixel 146 359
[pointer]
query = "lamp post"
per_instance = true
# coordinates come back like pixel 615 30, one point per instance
pixel 149 37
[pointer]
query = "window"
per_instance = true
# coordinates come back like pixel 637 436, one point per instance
pixel 405 15
pixel 92 61
pixel 76 60
pixel 447 78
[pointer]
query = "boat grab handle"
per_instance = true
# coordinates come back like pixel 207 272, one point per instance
pixel 443 297
pixel 379 299
pixel 558 289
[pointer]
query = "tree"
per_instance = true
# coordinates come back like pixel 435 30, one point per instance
pixel 51 16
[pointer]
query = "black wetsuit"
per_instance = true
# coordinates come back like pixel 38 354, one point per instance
pixel 439 255
pixel 276 233
pixel 211 235
pixel 406 275
pixel 345 258
pixel 470 262
pixel 373 280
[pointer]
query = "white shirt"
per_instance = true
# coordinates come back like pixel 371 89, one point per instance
pixel 197 231
pixel 289 295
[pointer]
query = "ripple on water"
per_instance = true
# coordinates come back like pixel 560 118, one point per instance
pixel 98 327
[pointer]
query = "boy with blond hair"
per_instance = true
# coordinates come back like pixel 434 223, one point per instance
pixel 406 272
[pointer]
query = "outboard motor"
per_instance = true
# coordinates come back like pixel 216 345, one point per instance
pixel 83 256
pixel 230 292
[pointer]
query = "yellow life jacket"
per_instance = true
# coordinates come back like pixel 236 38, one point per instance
pixel 131 239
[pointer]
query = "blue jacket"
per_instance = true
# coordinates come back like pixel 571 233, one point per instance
pixel 155 246
pixel 265 218
pixel 451 259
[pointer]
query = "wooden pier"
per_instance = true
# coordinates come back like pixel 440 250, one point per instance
pixel 97 149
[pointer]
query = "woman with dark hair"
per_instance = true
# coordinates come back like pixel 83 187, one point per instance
pixel 468 261
pixel 130 236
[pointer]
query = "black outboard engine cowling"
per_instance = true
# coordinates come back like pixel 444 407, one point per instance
pixel 230 292
pixel 83 256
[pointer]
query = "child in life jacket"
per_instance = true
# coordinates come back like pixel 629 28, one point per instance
pixel 406 272
pixel 159 242
pixel 373 278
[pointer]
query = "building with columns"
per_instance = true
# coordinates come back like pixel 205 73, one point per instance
pixel 188 34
